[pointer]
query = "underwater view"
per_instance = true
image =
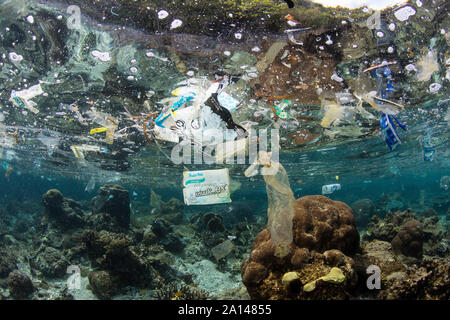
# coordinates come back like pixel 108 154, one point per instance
pixel 224 150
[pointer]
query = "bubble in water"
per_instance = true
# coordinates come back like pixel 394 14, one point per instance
pixel 411 67
pixel 175 24
pixel 190 73
pixel 435 87
pixel 380 34
pixel 162 14
pixel 130 78
pixel 14 57
pixel 404 13
pixel 133 69
pixel 392 26
pixel 256 49
pixel 238 35
pixel 30 19
pixel 390 49
pixel 102 56
pixel 227 53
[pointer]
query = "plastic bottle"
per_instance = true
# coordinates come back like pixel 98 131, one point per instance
pixel 428 147
pixel 330 188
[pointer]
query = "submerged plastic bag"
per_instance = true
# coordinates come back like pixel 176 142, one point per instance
pixel 206 187
pixel 281 201
pixel 222 250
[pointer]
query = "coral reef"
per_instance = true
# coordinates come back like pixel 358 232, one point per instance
pixel 50 261
pixel 169 239
pixel 113 252
pixel 113 200
pixel 363 210
pixel 409 240
pixel 324 232
pixel 378 253
pixel 101 284
pixel 20 285
pixel 387 228
pixel 62 211
pixel 7 262
pixel 180 291
pixel 430 280
pixel 172 211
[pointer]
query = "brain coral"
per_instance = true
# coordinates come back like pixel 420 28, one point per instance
pixel 324 232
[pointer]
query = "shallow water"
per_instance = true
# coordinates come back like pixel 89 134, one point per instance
pixel 113 72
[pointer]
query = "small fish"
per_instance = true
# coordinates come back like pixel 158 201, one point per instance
pixel 299 181
pixel 143 291
pixel 178 294
pixel 193 285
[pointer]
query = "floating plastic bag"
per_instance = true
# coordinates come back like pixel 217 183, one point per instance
pixel 206 187
pixel 79 150
pixel 22 99
pixel 330 188
pixel 91 185
pixel 227 151
pixel 109 123
pixel 197 109
pixel 222 250
pixel 155 199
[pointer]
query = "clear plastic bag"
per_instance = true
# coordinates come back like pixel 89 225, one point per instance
pixel 280 210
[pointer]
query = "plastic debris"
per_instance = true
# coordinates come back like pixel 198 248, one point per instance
pixel 444 183
pixel 334 113
pixel 162 14
pixel 90 185
pixel 206 187
pixel 108 122
pixel 281 200
pixel 427 65
pixel 389 130
pixel 330 188
pixel 198 110
pixel 175 24
pixel 102 56
pixel 428 146
pixel 79 150
pixel 22 99
pixel 404 13
pixel 222 250
pixel 155 199
pixel 98 130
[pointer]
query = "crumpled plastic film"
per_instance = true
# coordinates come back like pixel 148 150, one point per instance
pixel 280 210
